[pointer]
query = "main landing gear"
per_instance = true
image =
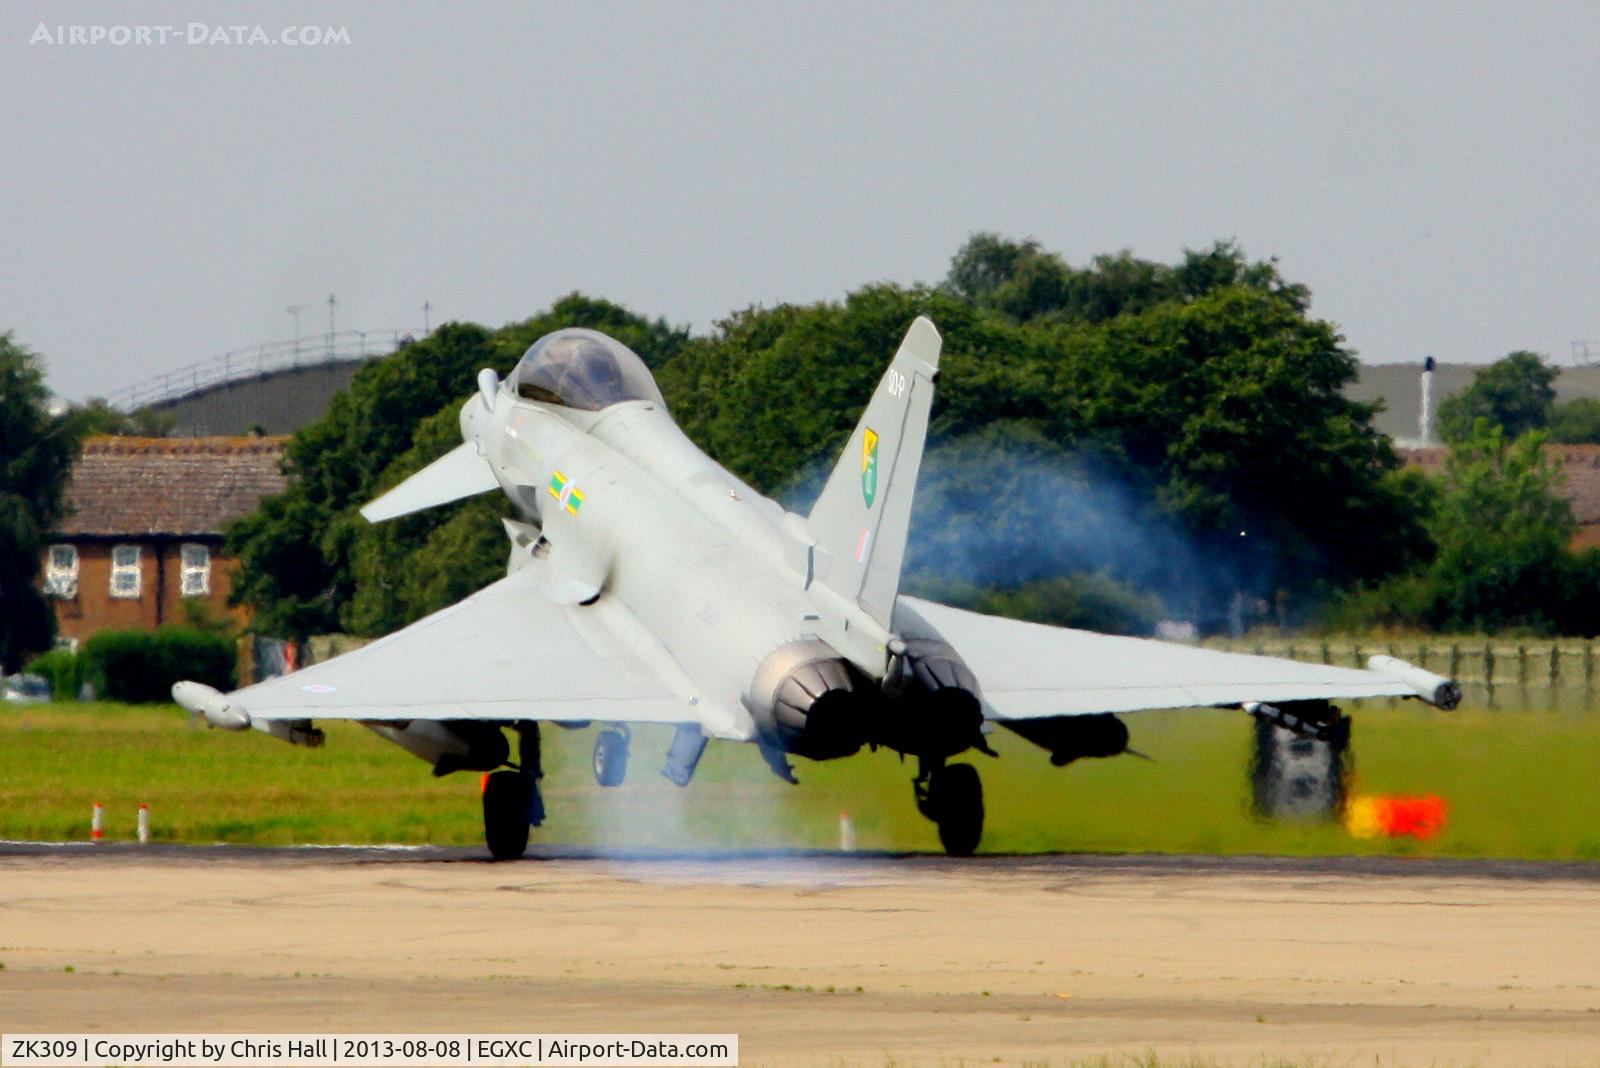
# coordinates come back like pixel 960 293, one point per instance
pixel 511 801
pixel 951 795
pixel 611 757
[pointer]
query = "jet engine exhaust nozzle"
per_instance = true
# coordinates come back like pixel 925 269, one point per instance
pixel 939 712
pixel 805 695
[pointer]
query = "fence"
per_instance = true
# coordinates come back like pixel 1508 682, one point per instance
pixel 256 360
pixel 1561 673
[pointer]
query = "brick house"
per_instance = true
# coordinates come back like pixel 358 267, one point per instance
pixel 142 537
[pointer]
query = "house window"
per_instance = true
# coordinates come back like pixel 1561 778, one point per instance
pixel 125 571
pixel 61 572
pixel 196 570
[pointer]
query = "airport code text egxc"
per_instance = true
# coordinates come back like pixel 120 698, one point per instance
pixel 367 1051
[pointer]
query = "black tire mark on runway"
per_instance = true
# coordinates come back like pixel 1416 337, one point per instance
pixel 759 864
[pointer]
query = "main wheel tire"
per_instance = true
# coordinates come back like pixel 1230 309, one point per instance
pixel 955 799
pixel 610 758
pixel 505 814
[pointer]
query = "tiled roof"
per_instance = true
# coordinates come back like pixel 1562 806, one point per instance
pixel 131 486
pixel 1579 463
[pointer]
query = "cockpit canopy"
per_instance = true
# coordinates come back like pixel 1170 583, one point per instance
pixel 583 369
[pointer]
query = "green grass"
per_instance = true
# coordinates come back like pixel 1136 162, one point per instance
pixel 1520 784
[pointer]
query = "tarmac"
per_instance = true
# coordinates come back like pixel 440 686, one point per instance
pixel 820 958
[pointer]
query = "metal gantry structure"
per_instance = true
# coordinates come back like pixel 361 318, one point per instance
pixel 255 361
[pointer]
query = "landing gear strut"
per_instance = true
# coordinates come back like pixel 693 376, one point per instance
pixel 511 801
pixel 951 795
pixel 610 757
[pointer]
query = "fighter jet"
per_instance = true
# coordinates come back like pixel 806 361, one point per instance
pixel 647 584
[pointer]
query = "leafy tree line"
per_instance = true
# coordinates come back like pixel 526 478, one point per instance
pixel 1499 527
pixel 1517 394
pixel 1111 444
pixel 1501 533
pixel 1208 435
pixel 1131 437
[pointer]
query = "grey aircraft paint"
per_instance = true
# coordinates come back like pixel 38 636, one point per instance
pixel 647 584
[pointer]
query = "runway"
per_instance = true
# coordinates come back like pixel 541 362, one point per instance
pixel 735 861
pixel 820 958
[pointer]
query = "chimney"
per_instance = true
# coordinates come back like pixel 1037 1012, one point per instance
pixel 1425 417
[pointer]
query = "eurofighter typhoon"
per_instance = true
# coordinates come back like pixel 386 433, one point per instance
pixel 646 584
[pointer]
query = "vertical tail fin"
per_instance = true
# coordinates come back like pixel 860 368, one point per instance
pixel 861 518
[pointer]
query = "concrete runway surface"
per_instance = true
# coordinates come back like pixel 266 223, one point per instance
pixel 820 958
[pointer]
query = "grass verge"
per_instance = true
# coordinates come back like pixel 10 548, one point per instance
pixel 1519 784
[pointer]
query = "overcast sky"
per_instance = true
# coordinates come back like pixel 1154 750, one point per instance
pixel 1432 172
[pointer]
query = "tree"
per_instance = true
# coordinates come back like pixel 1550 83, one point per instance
pixel 1227 410
pixel 1502 531
pixel 35 460
pixel 1515 393
pixel 1177 428
pixel 986 262
pixel 1142 444
pixel 1027 284
pixel 96 416
pixel 1089 601
pixel 655 340
pixel 773 393
pixel 1576 422
pixel 294 552
pixel 405 568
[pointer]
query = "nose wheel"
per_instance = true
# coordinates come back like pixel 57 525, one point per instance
pixel 951 795
pixel 610 757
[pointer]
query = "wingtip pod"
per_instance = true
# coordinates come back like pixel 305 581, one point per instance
pixel 206 701
pixel 1435 689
